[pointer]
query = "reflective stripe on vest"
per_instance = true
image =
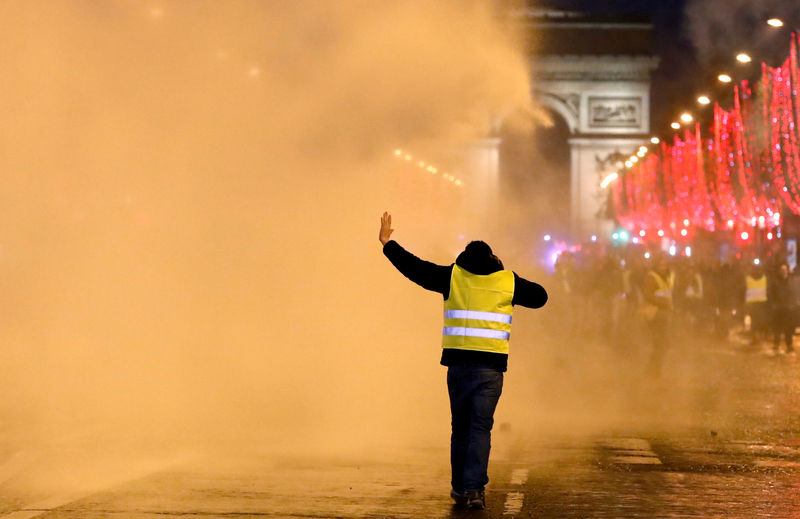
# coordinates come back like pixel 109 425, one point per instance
pixel 476 332
pixel 477 313
pixel 481 316
pixel 664 287
pixel 756 289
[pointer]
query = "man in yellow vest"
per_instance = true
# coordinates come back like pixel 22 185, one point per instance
pixel 479 296
pixel 755 300
pixel 657 292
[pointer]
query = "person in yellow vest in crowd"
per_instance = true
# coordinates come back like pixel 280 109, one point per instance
pixel 755 301
pixel 657 292
pixel 479 299
pixel 691 301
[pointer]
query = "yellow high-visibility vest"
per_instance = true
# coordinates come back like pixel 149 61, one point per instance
pixel 664 285
pixel 697 293
pixel 477 313
pixel 756 289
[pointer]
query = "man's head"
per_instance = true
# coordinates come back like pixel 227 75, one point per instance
pixel 478 258
pixel 662 265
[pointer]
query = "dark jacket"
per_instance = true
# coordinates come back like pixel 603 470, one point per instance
pixel 780 293
pixel 436 278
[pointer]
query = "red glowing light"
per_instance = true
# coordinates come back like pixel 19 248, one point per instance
pixel 739 173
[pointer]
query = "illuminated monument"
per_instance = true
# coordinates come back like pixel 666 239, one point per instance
pixel 594 73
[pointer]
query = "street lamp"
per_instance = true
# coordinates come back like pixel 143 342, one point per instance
pixel 675 125
pixel 655 140
pixel 743 57
pixel 686 117
pixel 775 22
pixel 724 78
pixel 703 100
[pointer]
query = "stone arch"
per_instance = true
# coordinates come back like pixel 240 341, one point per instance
pixel 567 108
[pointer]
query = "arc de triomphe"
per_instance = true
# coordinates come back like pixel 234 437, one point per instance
pixel 594 73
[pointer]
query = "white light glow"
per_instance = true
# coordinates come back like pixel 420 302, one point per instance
pixel 655 140
pixel 609 179
pixel 703 100
pixel 775 22
pixel 724 78
pixel 743 57
pixel 547 237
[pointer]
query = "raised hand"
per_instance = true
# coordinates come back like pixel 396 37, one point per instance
pixel 386 228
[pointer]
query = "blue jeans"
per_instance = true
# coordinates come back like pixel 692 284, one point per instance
pixel 474 392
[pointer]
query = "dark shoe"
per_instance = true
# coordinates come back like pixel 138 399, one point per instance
pixel 459 498
pixel 476 499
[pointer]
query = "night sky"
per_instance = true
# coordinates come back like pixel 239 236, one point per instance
pixel 698 39
pixel 673 83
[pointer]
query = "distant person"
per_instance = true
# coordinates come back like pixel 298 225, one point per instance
pixel 567 305
pixel 781 303
pixel 479 297
pixel 657 310
pixel 756 303
pixel 692 295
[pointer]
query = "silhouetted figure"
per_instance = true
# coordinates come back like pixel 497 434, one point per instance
pixel 781 300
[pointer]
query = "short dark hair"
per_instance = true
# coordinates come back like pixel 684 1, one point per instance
pixel 478 258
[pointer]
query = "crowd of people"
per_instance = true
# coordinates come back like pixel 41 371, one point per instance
pixel 619 299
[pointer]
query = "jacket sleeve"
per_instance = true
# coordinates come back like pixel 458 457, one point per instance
pixel 528 294
pixel 429 276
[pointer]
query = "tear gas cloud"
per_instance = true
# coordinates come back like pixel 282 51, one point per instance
pixel 191 203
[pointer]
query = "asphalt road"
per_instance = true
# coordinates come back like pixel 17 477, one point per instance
pixel 737 454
